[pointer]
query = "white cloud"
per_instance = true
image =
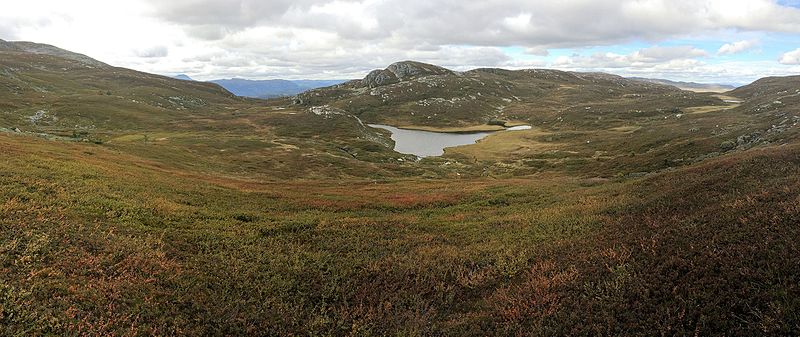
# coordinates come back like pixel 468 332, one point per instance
pixel 153 52
pixel 538 51
pixel 738 73
pixel 347 38
pixel 519 23
pixel 791 58
pixel 528 23
pixel 644 58
pixel 737 47
pixel 674 63
pixel 660 54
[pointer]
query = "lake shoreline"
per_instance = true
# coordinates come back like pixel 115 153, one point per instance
pixel 462 129
pixel 424 143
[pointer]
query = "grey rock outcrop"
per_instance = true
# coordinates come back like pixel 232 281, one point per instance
pixel 377 78
pixel 402 71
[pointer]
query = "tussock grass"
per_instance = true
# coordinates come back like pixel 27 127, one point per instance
pixel 98 242
pixel 177 209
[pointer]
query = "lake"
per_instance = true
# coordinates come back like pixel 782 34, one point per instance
pixel 430 144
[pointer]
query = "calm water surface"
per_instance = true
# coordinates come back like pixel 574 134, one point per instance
pixel 429 144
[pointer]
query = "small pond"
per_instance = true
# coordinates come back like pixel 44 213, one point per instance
pixel 429 144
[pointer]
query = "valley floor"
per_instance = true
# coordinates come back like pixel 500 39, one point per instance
pixel 95 241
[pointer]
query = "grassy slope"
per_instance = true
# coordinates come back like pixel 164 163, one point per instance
pixel 247 217
pixel 87 248
pixel 545 98
pixel 586 124
pixel 76 97
pixel 199 126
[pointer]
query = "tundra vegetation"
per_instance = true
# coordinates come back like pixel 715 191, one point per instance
pixel 136 204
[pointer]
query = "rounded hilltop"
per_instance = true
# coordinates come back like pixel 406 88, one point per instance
pixel 401 71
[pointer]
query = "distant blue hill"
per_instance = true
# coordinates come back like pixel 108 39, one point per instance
pixel 260 88
pixel 183 77
pixel 313 84
pixel 268 88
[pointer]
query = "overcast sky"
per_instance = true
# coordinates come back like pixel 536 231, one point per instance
pixel 724 41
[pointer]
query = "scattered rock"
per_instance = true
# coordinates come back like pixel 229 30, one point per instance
pixel 727 145
pixel 748 140
pixel 325 110
pixel 38 116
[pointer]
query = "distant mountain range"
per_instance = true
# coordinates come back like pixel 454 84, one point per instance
pixel 281 88
pixel 267 88
pixel 691 86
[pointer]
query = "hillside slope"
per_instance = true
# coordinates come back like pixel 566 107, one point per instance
pixel 89 248
pixel 61 92
pixel 188 123
pixel 417 94
pixel 46 49
pixel 583 123
pixel 770 89
pixel 629 208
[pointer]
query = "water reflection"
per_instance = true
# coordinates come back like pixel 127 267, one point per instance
pixel 429 144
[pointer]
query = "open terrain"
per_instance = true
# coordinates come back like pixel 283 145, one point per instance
pixel 136 204
pixel 691 86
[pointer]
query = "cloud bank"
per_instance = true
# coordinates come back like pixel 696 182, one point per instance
pixel 792 57
pixel 737 47
pixel 347 38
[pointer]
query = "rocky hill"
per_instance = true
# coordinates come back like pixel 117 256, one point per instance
pixel 402 71
pixel 46 49
pixel 416 94
pixel 44 87
pixel 769 89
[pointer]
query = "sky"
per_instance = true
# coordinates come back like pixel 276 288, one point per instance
pixel 711 41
